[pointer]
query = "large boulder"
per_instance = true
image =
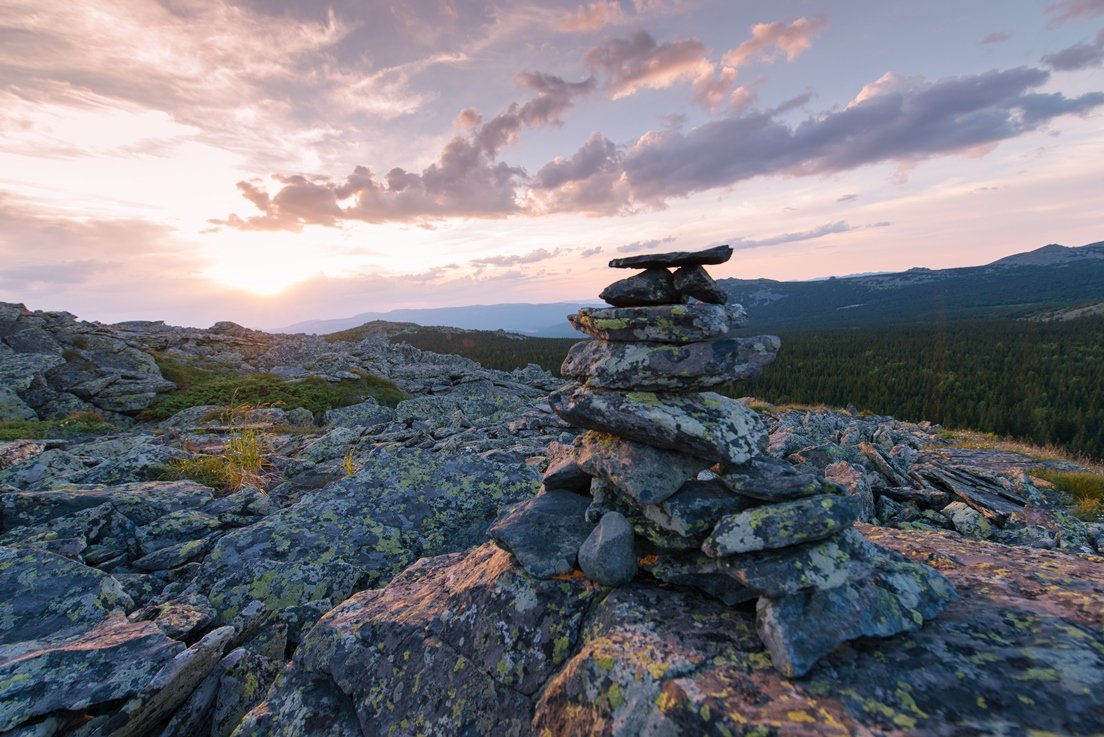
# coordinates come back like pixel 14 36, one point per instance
pixel 359 532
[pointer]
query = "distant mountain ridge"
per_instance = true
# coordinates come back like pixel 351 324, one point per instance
pixel 1023 285
pixel 547 320
pixel 1053 278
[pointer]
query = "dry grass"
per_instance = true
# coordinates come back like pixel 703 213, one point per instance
pixel 1086 488
pixel 988 441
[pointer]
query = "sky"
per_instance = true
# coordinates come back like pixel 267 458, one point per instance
pixel 271 161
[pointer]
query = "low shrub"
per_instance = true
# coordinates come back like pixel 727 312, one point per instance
pixel 1086 488
pixel 78 423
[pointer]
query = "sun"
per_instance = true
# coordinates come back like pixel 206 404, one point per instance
pixel 263 264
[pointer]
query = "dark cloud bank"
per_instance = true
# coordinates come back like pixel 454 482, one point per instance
pixel 920 121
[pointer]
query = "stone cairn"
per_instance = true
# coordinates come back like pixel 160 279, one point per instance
pixel 671 479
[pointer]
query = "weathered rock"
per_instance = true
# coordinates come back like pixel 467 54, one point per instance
pixel 714 255
pixel 401 505
pixel 192 716
pixel 608 556
pixel 544 533
pixel 169 687
pixel 695 508
pixel 694 281
pixel 771 480
pixel 46 595
pixel 364 414
pixel 823 564
pixel 644 474
pixel 651 287
pixel 696 571
pixel 567 475
pixel 684 367
pixel 851 477
pixel 455 645
pixel 181 618
pixel 706 425
pixel 14 451
pixel 967 520
pixel 681 323
pixel 14 408
pixel 899 597
pixel 243 681
pixel 302 703
pixel 51 468
pixel 780 525
pixel 108 663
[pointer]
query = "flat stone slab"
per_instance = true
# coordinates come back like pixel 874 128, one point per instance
pixel 715 255
pixel 544 533
pixel 801 628
pixel 652 287
pixel 772 480
pixel 781 525
pixel 684 323
pixel 644 474
pixel 657 367
pixel 703 424
pixel 696 507
pixel 694 281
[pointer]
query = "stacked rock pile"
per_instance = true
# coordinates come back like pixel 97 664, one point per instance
pixel 671 478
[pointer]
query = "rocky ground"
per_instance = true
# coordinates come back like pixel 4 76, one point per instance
pixel 352 591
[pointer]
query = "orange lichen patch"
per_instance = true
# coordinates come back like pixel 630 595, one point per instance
pixel 573 575
pixel 647 560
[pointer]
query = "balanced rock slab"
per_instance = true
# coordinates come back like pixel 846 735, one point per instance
pixel 694 281
pixel 715 255
pixel 686 367
pixel 544 533
pixel 772 480
pixel 651 287
pixel 645 474
pixel 781 525
pixel 696 507
pixel 705 424
pixel 682 323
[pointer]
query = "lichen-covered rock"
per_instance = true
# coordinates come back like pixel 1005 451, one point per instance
pixel 694 281
pixel 243 681
pixel 110 662
pixel 706 424
pixel 695 508
pixel 655 286
pixel 14 408
pixel 403 504
pixel 645 474
pixel 544 533
pixel 608 555
pixel 45 595
pixel 455 645
pixel 683 323
pixel 771 480
pixel 364 414
pixel 853 479
pixel 662 367
pixel 781 525
pixel 967 520
pixel 49 468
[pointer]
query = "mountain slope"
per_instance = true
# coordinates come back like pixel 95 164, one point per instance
pixel 1022 285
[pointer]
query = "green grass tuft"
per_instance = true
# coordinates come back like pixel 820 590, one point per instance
pixel 1085 487
pixel 78 423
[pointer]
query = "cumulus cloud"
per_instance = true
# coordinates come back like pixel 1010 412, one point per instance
pixel 640 61
pixel 588 252
pixel 768 40
pixel 1078 56
pixel 467 180
pixel 1064 11
pixel 638 246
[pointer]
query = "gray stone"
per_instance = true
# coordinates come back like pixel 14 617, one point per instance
pixel 651 287
pixel 544 533
pixel 714 255
pixel 193 714
pixel 365 414
pixel 169 687
pixel 108 663
pixel 644 474
pixel 967 520
pixel 853 479
pixel 694 281
pixel 801 628
pixel 780 525
pixel 697 571
pixel 607 556
pixel 51 468
pixel 695 508
pixel 706 425
pixel 300 417
pixel 823 564
pixel 14 408
pixel 46 595
pixel 659 367
pixel 772 480
pixel 243 683
pixel 682 323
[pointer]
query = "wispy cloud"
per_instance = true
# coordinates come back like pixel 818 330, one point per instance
pixel 820 231
pixel 640 61
pixel 638 246
pixel 594 16
pixel 1065 11
pixel 540 254
pixel 1078 56
pixel 996 37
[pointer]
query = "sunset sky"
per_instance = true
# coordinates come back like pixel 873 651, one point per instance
pixel 270 161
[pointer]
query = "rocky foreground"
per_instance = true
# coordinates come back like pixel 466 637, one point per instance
pixel 355 591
